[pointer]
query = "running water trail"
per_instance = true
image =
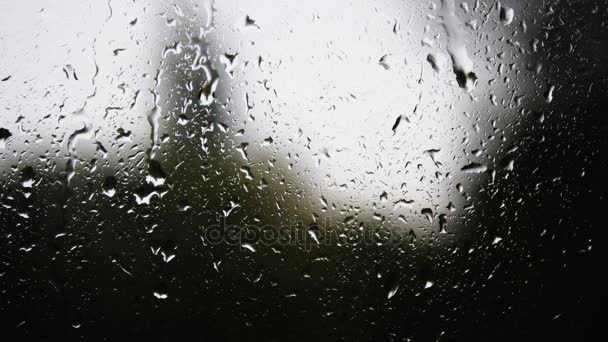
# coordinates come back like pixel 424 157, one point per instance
pixel 461 63
pixel 84 133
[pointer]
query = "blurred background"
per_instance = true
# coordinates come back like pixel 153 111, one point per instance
pixel 464 137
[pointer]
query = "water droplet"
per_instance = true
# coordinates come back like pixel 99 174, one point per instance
pixel 27 177
pixel 4 135
pixel 506 15
pixel 109 186
pixel 160 295
pixel 428 213
pixel 156 176
pixel 248 247
pixel 549 93
pixel 434 62
pixel 474 168
pixel 393 291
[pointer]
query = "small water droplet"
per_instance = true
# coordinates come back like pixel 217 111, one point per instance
pixel 393 291
pixel 160 295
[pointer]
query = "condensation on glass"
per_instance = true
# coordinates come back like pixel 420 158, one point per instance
pixel 407 169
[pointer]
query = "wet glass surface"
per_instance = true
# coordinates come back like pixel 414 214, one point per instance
pixel 287 170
